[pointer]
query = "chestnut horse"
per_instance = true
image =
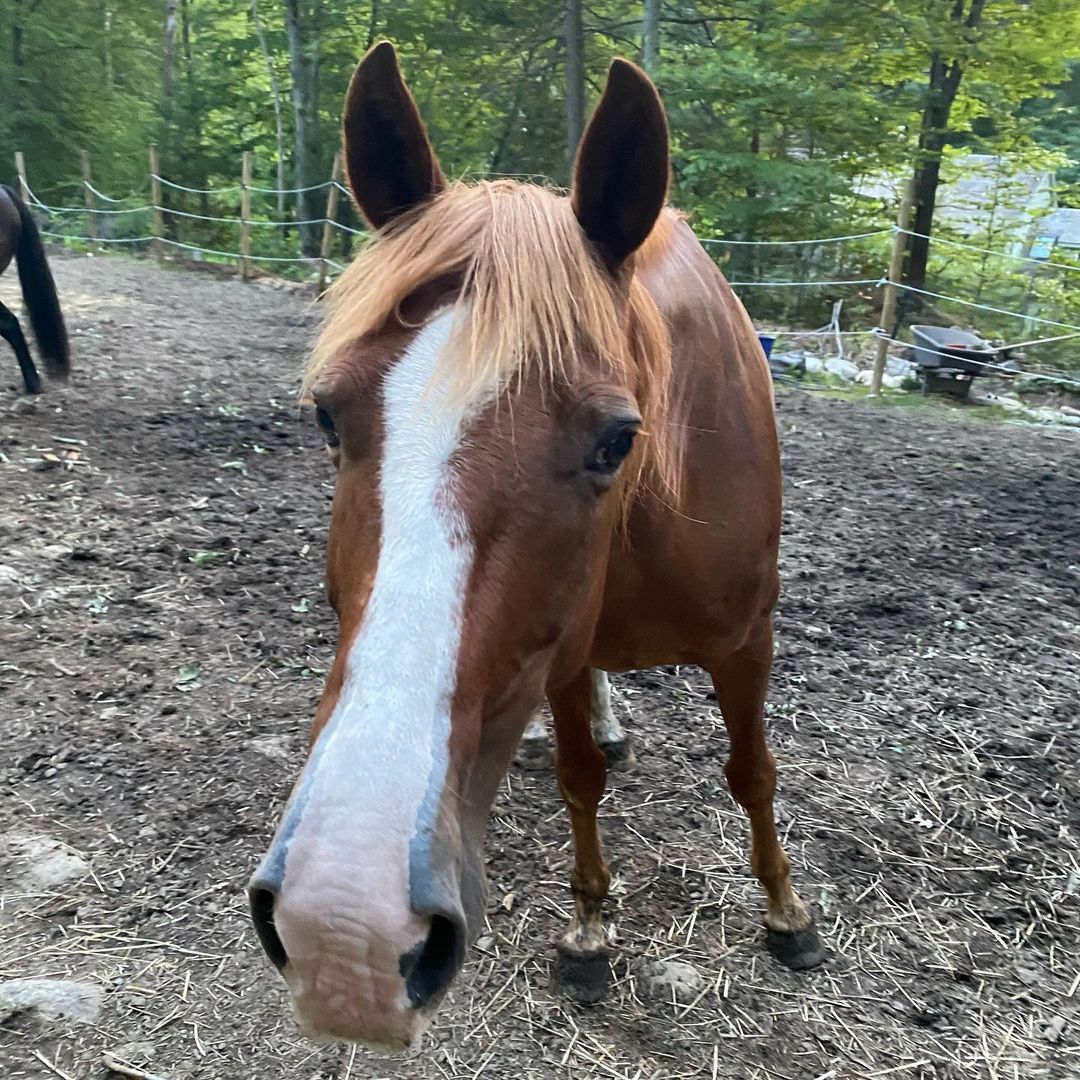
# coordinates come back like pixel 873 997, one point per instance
pixel 20 240
pixel 556 455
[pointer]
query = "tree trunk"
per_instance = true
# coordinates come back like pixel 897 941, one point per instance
pixel 192 154
pixel 575 78
pixel 373 23
pixel 17 31
pixel 650 36
pixel 495 162
pixel 275 92
pixel 749 254
pixel 301 31
pixel 107 50
pixel 168 81
pixel 942 87
pixel 18 82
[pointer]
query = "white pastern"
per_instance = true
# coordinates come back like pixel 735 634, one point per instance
pixel 606 728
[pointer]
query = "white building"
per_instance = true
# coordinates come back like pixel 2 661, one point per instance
pixel 989 202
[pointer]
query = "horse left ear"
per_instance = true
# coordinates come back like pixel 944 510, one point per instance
pixel 390 164
pixel 621 172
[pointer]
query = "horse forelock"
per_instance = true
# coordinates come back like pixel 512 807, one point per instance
pixel 533 296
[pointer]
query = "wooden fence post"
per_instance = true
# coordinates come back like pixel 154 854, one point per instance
pixel 245 216
pixel 91 217
pixel 155 198
pixel 20 168
pixel 896 268
pixel 328 224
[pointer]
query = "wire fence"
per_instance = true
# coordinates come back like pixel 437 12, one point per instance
pixel 155 225
pixel 147 238
pixel 214 222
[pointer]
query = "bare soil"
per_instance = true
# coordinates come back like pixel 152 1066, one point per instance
pixel 162 642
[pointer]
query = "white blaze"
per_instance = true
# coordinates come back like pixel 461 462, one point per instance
pixel 385 744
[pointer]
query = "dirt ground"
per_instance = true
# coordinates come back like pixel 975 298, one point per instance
pixel 162 642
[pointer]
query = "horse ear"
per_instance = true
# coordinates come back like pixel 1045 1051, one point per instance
pixel 388 159
pixel 621 172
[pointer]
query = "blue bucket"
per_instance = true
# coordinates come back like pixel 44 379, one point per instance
pixel 766 344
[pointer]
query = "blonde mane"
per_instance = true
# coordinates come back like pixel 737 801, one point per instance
pixel 535 295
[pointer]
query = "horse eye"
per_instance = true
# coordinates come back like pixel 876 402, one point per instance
pixel 322 418
pixel 612 448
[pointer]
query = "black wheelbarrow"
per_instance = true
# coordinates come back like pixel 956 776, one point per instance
pixel 949 360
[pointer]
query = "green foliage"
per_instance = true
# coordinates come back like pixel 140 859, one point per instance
pixel 779 110
pixel 76 75
pixel 1057 125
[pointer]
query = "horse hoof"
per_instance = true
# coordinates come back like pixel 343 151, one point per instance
pixel 796 949
pixel 533 755
pixel 584 977
pixel 619 755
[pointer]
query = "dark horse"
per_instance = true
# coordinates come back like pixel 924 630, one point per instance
pixel 20 240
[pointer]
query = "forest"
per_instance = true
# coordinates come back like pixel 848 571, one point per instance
pixel 785 114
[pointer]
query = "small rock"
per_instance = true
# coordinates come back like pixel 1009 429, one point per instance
pixel 788 362
pixel 485 944
pixel 836 365
pixel 33 862
pixel 274 747
pixel 1027 975
pixel 1054 1030
pixel 897 365
pixel 665 979
pixel 867 775
pixel 52 999
pixel 135 1053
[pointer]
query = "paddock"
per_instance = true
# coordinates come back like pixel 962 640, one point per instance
pixel 163 638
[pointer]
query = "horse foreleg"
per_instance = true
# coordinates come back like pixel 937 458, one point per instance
pixel 583 970
pixel 11 332
pixel 741 682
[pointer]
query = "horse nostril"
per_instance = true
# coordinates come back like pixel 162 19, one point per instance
pixel 430 967
pixel 262 901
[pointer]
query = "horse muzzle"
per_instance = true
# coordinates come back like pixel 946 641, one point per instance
pixel 367 948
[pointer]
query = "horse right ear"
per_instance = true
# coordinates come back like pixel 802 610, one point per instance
pixel 389 161
pixel 621 173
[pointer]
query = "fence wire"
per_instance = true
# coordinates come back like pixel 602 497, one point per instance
pixel 115 210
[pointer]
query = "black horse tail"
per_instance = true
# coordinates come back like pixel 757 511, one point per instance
pixel 39 293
